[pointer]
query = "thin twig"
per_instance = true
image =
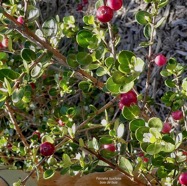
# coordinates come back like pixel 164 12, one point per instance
pixel 13 120
pixel 98 112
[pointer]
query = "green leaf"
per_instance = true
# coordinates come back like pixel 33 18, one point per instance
pixel 125 164
pixel 99 3
pixel 69 19
pixel 162 172
pixel 159 23
pixel 35 72
pixel 120 130
pixel 88 19
pixel 83 38
pixel 109 61
pixel 8 86
pixel 155 133
pixel 66 160
pixel 139 65
pixel 84 58
pixel 170 83
pixel 9 74
pixel 143 17
pixel 72 60
pixel 95 144
pixel 53 92
pixel 147 31
pixel 119 78
pixel 165 73
pixel 85 86
pixel 135 124
pixel 163 3
pixel 47 138
pixel 157 161
pixel 131 112
pixel 125 56
pixel 167 147
pixel 106 140
pixel 140 133
pixel 49 27
pixel 154 148
pixel 17 95
pixel 111 86
pixel 101 71
pixel 32 13
pixel 184 84
pixel 28 55
pixel 126 87
pixel 155 123
pixel 48 174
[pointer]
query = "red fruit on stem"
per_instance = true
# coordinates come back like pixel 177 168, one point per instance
pixel 114 4
pixel 109 147
pixel 47 149
pixel 177 115
pixel 104 14
pixel 183 178
pixel 20 19
pixel 5 42
pixel 9 146
pixel 37 133
pixel 160 60
pixel 184 153
pixel 61 123
pixel 129 98
pixel 166 128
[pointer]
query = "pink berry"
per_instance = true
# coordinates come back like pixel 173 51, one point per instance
pixel 160 60
pixel 177 115
pixel 47 149
pixel 109 147
pixel 5 42
pixel 1 46
pixel 129 98
pixel 104 14
pixel 20 19
pixel 166 128
pixel 114 4
pixel 183 178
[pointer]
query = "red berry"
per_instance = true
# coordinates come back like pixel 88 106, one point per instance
pixel 114 4
pixel 37 133
pixel 9 146
pixel 145 159
pixel 5 42
pixel 160 60
pixel 177 115
pixel 20 19
pixel 166 128
pixel 121 106
pixel 104 14
pixel 141 154
pixel 33 85
pixel 183 178
pixel 129 98
pixel 61 123
pixel 47 149
pixel 109 147
pixel 79 7
pixel 184 153
pixel 1 46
